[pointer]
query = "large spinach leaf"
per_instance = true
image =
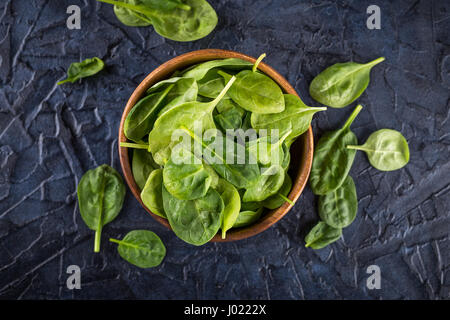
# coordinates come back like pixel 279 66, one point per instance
pixel 342 83
pixel 296 117
pixel 190 21
pixel 100 197
pixel 332 160
pixel 194 221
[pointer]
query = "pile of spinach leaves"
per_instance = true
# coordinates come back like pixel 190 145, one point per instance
pixel 197 189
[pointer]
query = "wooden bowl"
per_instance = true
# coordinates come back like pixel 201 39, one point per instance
pixel 301 150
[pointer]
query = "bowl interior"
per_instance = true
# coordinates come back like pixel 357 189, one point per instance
pixel 301 149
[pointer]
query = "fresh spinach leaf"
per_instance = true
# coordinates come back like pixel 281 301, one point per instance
pixel 247 218
pixel 199 71
pixel 142 164
pixel 342 83
pixel 386 149
pixel 237 167
pixel 296 117
pixel 322 235
pixel 338 208
pixel 192 20
pixel 100 197
pixel 185 177
pixel 194 221
pixel 183 115
pixel 255 92
pixel 151 194
pixel 141 248
pixel 268 184
pixel 142 116
pixel 278 199
pixel 131 18
pixel 332 160
pixel 86 68
pixel 232 205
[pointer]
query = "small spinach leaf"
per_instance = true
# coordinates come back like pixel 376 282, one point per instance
pixel 232 202
pixel 183 22
pixel 142 165
pixel 268 183
pixel 386 149
pixel 322 235
pixel 151 194
pixel 278 199
pixel 247 218
pixel 86 68
pixel 142 248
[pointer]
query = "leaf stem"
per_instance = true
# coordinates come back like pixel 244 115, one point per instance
pixel 63 81
pixel 115 240
pixel 222 93
pixel 355 147
pixel 134 145
pixel 255 66
pixel 286 199
pixel 376 61
pixel 352 117
pixel 98 237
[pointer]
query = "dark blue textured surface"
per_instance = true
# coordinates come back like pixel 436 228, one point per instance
pixel 50 135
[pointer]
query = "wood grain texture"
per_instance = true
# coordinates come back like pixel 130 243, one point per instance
pixel 301 150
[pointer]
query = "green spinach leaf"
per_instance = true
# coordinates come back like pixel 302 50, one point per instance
pixel 199 71
pixel 194 221
pixel 100 197
pixel 185 177
pixel 386 149
pixel 255 92
pixel 86 68
pixel 190 21
pixel 332 160
pixel 184 115
pixel 268 183
pixel 141 248
pixel 342 83
pixel 151 194
pixel 338 208
pixel 141 118
pixel 142 165
pixel 278 199
pixel 296 117
pixel 247 218
pixel 322 235
pixel 232 202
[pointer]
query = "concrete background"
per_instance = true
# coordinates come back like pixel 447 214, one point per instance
pixel 50 135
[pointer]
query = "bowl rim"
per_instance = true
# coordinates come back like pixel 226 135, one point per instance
pixel 190 58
